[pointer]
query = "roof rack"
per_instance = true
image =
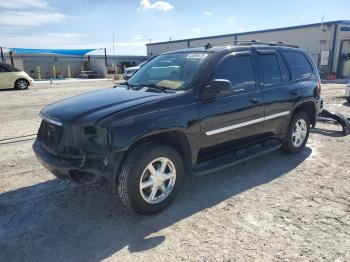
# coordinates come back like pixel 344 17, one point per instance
pixel 258 42
pixel 252 42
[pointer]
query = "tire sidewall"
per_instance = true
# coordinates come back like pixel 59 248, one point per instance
pixel 145 157
pixel 289 147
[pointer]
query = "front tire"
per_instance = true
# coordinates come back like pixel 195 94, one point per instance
pixel 21 84
pixel 150 178
pixel 297 134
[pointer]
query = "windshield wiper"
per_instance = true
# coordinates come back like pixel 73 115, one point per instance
pixel 127 84
pixel 154 86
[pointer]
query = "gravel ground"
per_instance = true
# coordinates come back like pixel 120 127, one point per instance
pixel 273 208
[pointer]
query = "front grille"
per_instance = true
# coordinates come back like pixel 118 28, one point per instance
pixel 50 135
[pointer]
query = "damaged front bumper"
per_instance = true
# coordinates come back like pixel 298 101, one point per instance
pixel 81 170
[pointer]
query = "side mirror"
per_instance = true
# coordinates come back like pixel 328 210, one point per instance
pixel 217 88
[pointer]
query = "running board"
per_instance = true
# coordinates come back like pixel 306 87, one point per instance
pixel 235 157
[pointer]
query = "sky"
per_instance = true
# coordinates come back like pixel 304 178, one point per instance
pixel 78 24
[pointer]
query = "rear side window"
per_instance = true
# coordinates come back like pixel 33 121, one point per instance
pixel 298 64
pixel 270 69
pixel 239 70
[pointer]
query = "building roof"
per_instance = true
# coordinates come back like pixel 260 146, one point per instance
pixel 253 32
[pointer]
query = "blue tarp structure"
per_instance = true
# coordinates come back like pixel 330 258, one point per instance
pixel 79 52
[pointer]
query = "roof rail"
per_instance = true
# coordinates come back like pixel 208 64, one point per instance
pixel 258 42
pixel 252 42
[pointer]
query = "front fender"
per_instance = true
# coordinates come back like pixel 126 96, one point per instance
pixel 182 119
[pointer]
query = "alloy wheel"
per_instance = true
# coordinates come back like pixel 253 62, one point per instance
pixel 22 84
pixel 299 133
pixel 158 180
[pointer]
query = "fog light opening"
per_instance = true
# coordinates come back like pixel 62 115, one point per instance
pixel 81 177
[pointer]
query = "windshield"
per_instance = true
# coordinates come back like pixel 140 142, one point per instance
pixel 171 71
pixel 142 63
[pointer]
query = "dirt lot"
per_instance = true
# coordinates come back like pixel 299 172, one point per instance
pixel 276 207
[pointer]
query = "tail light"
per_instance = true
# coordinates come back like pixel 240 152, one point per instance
pixel 319 87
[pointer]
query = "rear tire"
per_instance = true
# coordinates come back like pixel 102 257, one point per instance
pixel 21 84
pixel 142 185
pixel 297 134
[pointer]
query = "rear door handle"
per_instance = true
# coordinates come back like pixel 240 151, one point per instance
pixel 255 100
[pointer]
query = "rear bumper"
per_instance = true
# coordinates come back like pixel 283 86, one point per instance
pixel 73 169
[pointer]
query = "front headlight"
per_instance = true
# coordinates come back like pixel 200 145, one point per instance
pixel 96 136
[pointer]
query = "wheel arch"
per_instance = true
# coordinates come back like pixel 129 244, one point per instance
pixel 175 139
pixel 20 78
pixel 309 108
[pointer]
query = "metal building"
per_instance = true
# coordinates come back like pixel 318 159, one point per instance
pixel 43 64
pixel 328 43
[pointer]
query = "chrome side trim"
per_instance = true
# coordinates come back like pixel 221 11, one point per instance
pixel 247 123
pixel 227 128
pixel 277 115
pixel 50 120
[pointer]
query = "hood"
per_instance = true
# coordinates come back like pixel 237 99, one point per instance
pixel 93 106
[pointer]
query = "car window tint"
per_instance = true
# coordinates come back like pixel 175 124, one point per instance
pixel 298 64
pixel 270 69
pixel 2 69
pixel 239 70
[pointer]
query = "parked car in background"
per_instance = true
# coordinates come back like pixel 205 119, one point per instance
pixel 12 77
pixel 128 72
pixel 347 92
pixel 191 111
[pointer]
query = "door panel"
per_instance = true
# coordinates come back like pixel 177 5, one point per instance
pixel 279 102
pixel 280 93
pixel 5 78
pixel 227 120
pixel 231 118
pixel 8 79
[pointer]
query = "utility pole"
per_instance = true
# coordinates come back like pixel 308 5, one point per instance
pixel 322 22
pixel 105 56
pixel 115 66
pixel 2 54
pixel 11 57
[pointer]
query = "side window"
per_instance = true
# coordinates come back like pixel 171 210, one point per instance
pixel 298 64
pixel 2 69
pixel 270 69
pixel 239 70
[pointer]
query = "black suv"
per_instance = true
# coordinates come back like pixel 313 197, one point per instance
pixel 191 111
